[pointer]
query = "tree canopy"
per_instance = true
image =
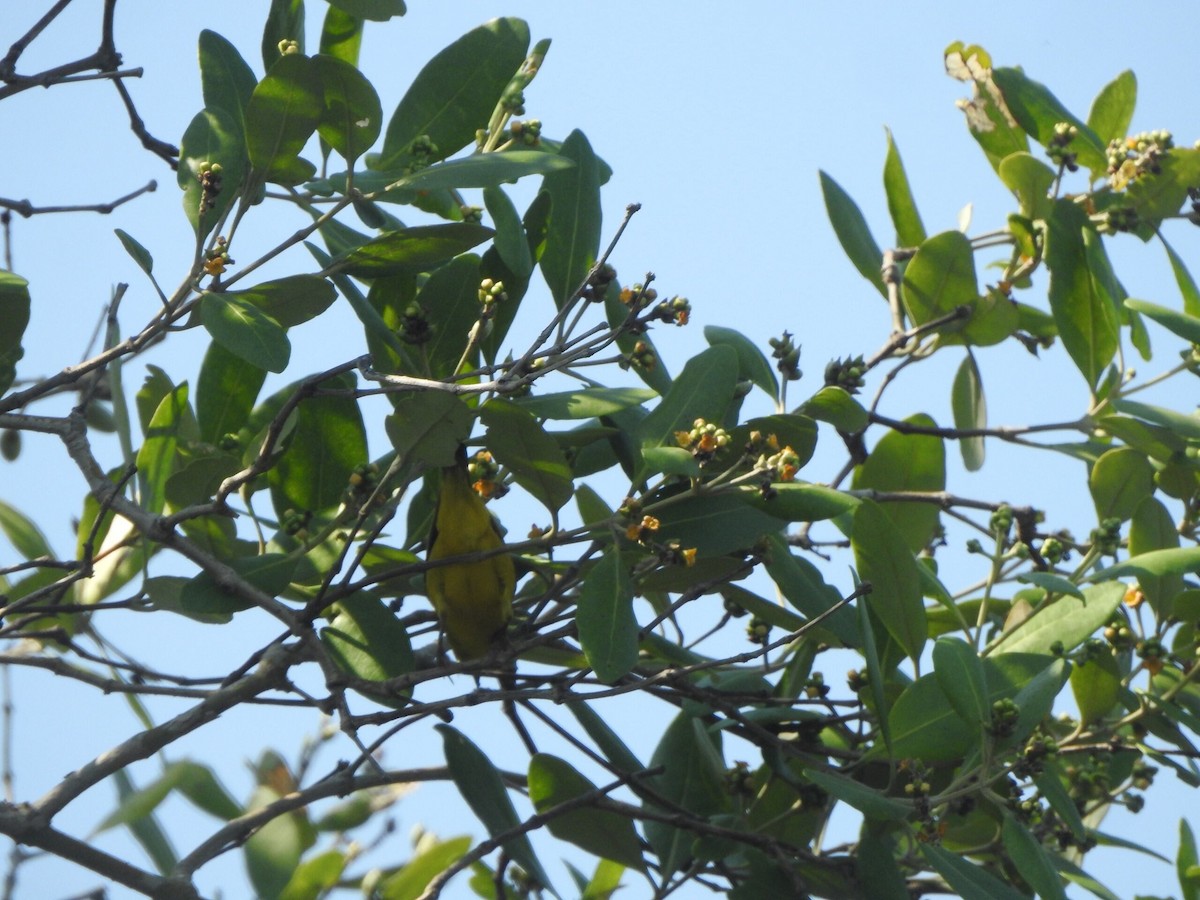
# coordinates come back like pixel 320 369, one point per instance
pixel 1009 682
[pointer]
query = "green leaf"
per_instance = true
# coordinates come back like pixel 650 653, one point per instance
pixel 225 392
pixel 752 365
pixel 157 457
pixel 876 868
pixel 967 879
pixel 450 301
pixel 136 251
pixel 145 828
pixel 907 462
pixel 454 94
pixel 1187 861
pixel 925 726
pixel 428 426
pixel 868 801
pixel 573 240
pixel 1038 111
pixel 611 746
pixel 600 832
pixel 703 390
pixel 282 114
pixel 245 331
pixel 212 139
pixel 1031 860
pixel 714 524
pixel 939 278
pixel 1112 110
pixel 367 641
pixel 1086 319
pixel 415 249
pixel 225 78
pixel 799 502
pixel 910 232
pixel 274 850
pixel 1156 196
pixel 1120 480
pixel 479 783
pixel 1036 697
pixel 884 559
pixel 802 585
pixel 1185 425
pixel 1182 324
pixel 14 317
pixel 292 300
pixel 24 535
pixel 1050 785
pixel 588 403
pixel 481 170
pixel 769 611
pixel 852 232
pixel 961 675
pixel 692 779
pixel 1156 563
pixel 285 22
pixel 835 406
pixel 1030 179
pixel 970 412
pixel 315 876
pixel 532 456
pixel 604 881
pixel 410 881
pixel 654 374
pixel 1183 278
pixel 1096 686
pixel 341 35
pixel 1153 529
pixel 327 444
pixel 1067 621
pixel 1051 583
pixel 669 461
pixel 511 242
pixel 205 599
pixel 352 117
pixel 136 805
pixel 608 630
pixel 374 10
pixel 204 790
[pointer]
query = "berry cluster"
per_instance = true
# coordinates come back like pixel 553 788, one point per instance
pixel 703 440
pixel 787 353
pixel 846 373
pixel 1058 147
pixel 1137 155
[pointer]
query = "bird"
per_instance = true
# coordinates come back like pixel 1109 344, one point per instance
pixel 472 597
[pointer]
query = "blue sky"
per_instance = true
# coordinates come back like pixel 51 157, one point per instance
pixel 716 119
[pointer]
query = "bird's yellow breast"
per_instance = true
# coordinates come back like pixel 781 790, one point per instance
pixel 473 599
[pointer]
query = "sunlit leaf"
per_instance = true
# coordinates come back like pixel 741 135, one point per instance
pixel 970 412
pixel 902 462
pixel 884 559
pixel 282 114
pixel 852 231
pixel 480 784
pixel 608 630
pixel 528 452
pixel 910 232
pixel 1066 622
pixel 573 239
pixel 454 93
pixel 553 781
pixel 1086 320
